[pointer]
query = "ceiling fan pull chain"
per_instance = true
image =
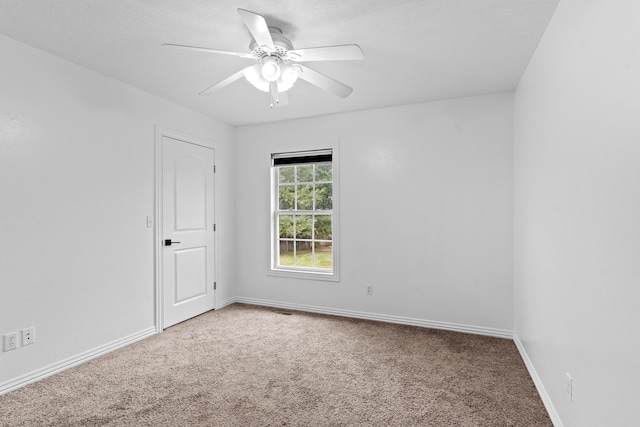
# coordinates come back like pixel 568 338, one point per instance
pixel 273 90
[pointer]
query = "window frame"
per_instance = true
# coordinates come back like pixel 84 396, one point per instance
pixel 303 272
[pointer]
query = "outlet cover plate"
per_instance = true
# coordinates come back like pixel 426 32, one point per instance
pixel 10 341
pixel 28 336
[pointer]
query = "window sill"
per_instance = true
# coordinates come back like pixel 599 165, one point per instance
pixel 306 275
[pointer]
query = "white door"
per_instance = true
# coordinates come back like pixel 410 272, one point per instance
pixel 187 230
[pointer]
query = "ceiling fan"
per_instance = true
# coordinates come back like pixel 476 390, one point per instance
pixel 277 64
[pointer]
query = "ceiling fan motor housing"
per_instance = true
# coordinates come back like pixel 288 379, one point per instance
pixel 282 44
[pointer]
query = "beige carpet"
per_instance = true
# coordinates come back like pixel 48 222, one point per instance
pixel 252 366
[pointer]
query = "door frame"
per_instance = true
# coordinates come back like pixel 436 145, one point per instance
pixel 162 132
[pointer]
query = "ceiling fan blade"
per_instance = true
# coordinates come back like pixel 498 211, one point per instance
pixel 347 52
pixel 324 82
pixel 205 49
pixel 258 28
pixel 224 83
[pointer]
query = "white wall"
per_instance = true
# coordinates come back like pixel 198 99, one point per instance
pixel 577 222
pixel 76 184
pixel 426 211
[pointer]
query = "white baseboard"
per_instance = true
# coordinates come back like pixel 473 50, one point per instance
pixel 55 368
pixel 223 304
pixel 65 364
pixel 542 391
pixel 478 330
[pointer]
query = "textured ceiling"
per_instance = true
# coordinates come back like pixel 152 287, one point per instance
pixel 415 50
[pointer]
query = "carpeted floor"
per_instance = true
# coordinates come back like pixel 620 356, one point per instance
pixel 253 366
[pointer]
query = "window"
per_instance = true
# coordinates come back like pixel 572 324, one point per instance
pixel 303 206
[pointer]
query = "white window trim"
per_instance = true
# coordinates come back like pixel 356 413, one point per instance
pixel 310 274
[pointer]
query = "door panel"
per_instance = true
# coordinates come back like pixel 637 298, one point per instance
pixel 190 274
pixel 190 182
pixel 187 220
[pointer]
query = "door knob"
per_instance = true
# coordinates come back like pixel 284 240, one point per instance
pixel 168 242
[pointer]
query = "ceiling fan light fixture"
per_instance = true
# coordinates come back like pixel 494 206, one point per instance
pixel 287 78
pixel 254 76
pixel 270 69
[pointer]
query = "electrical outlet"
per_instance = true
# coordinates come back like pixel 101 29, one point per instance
pixel 10 341
pixel 28 336
pixel 569 387
pixel 369 289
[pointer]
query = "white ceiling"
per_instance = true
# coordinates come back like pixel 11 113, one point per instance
pixel 415 50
